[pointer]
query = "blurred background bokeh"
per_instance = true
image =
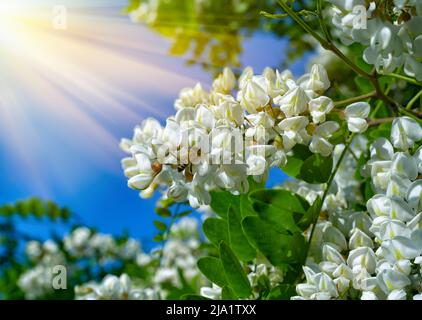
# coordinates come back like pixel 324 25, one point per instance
pixel 68 96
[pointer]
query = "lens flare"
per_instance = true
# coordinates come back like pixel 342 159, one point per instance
pixel 68 94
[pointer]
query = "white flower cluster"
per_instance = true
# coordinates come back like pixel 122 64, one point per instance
pixel 345 189
pixel 375 255
pixel 391 42
pixel 257 273
pixel 114 288
pixel 37 282
pixel 217 139
pixel 82 243
pixel 180 252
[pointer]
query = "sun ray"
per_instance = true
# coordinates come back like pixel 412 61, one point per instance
pixel 76 89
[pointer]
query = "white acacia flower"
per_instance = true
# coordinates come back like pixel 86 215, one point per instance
pixel 306 290
pixel 225 82
pixel 362 257
pixel 414 195
pixel 390 280
pixel 213 292
pixel 190 97
pixel 293 103
pixel 228 109
pixel 381 149
pixel 356 114
pixel 404 165
pixel 404 266
pixel 394 208
pixel 256 165
pixel 397 186
pixel 33 250
pixel 276 85
pixel 146 172
pixel 294 131
pixel 334 238
pixel 405 132
pixel 319 107
pixel 331 254
pixel 389 229
pixel 320 136
pixel 317 80
pixel 368 295
pixel 245 77
pixel 359 239
pixel 253 97
pixel 326 285
pixel 400 248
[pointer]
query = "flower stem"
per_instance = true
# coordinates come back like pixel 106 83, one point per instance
pixel 321 21
pixel 379 104
pixel 401 77
pixel 355 99
pixel 376 122
pixel 414 99
pixel 409 113
pixel 329 183
pixel 329 45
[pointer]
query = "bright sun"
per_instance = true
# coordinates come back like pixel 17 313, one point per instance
pixel 64 89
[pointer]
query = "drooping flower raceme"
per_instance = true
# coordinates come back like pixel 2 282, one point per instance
pixel 218 138
pixel 391 32
pixel 114 288
pixel 374 254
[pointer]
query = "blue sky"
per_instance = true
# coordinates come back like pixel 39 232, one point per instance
pixel 73 176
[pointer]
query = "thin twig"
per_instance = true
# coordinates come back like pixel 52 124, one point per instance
pixel 414 99
pixel 355 99
pixel 375 122
pixel 407 79
pixel 330 181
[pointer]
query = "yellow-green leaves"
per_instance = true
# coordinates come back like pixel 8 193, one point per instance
pixel 36 208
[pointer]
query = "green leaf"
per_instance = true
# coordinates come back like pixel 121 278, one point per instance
pixel 281 220
pixel 316 169
pixel 363 84
pixel 163 212
pixel 158 238
pixel 246 208
pixel 235 275
pixel 238 241
pixel 282 199
pixel 228 294
pixel 281 208
pixel 184 213
pixel 215 230
pixel 282 292
pixel 295 161
pixel 311 214
pixel 161 226
pixel 381 131
pixel 212 268
pixel 279 249
pixel 221 201
pixel 362 64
